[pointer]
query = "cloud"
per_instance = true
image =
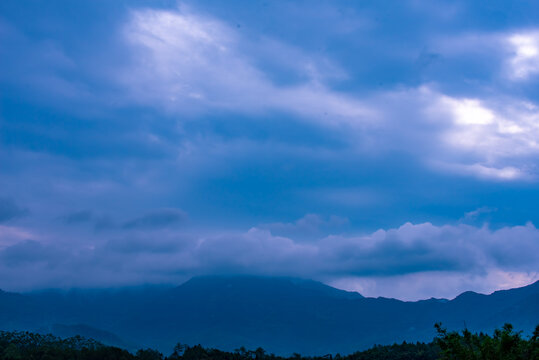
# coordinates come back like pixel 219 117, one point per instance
pixel 181 104
pixel 524 63
pixel 139 244
pixel 99 222
pixel 256 251
pixel 420 286
pixel 480 171
pixel 502 135
pixel 168 256
pixel 502 130
pixel 10 235
pixel 508 55
pixel 32 253
pixel 76 217
pixel 10 210
pixel 308 226
pixel 348 196
pixel 42 67
pixel 473 215
pixel 181 62
pixel 491 138
pixel 186 62
pixel 157 219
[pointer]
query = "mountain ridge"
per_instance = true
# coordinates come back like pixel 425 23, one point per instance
pixel 532 285
pixel 282 315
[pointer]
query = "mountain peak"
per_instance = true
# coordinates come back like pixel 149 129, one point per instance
pixel 282 315
pixel 262 285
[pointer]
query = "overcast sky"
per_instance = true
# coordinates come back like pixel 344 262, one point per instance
pixel 386 147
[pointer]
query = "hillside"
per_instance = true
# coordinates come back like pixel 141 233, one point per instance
pixel 281 315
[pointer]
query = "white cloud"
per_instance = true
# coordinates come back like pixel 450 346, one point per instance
pixel 514 53
pixel 189 63
pixel 524 62
pixel 503 129
pixel 492 138
pixel 507 173
pixel 424 285
pixel 501 135
pixel 474 214
pixel 185 62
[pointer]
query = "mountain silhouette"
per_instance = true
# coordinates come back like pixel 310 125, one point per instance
pixel 282 315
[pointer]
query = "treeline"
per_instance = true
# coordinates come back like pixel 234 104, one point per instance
pixel 503 344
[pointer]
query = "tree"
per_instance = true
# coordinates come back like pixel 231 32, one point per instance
pixel 505 344
pixel 149 354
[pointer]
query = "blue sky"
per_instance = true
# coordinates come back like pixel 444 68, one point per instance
pixel 386 148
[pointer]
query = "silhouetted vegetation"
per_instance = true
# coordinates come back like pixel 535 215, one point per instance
pixel 504 344
pixel 30 346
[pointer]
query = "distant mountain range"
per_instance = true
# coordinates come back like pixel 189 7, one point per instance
pixel 282 315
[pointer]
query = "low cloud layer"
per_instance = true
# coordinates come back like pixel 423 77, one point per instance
pixel 371 261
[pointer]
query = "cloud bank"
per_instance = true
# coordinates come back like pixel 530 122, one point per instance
pixel 411 251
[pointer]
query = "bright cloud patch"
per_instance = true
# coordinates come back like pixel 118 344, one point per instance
pixel 419 286
pixel 503 140
pixel 490 138
pixel 186 62
pixel 483 172
pixel 525 60
pixel 189 63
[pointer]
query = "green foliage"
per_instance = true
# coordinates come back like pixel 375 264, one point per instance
pixel 30 346
pixel 504 344
pixel 404 351
pixel 149 354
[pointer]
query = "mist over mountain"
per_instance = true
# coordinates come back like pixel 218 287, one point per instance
pixel 282 315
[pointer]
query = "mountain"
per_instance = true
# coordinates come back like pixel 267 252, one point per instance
pixel 282 315
pixel 104 337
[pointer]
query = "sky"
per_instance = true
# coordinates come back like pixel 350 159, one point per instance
pixel 390 148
